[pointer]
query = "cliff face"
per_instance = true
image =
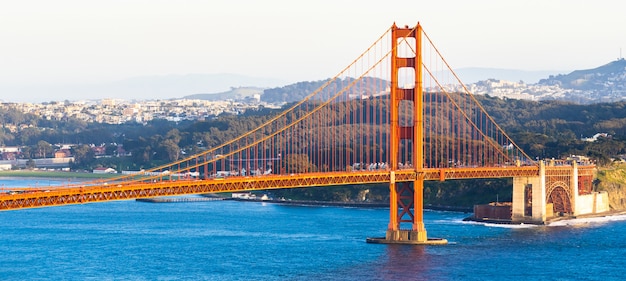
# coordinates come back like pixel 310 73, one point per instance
pixel 613 180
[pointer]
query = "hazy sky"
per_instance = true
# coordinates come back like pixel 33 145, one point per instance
pixel 80 41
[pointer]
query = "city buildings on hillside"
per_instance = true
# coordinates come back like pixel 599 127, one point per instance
pixel 120 111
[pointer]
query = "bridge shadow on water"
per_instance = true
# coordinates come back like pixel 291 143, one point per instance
pixel 405 262
pixel 399 262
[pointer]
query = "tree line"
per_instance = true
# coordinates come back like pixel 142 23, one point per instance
pixel 546 129
pixel 543 129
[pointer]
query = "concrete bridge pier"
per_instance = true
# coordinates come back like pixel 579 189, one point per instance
pixel 529 198
pixel 574 187
pixel 407 206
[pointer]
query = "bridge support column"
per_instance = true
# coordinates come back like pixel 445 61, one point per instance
pixel 407 206
pixel 408 197
pixel 574 185
pixel 393 210
pixel 529 198
pixel 403 197
pixel 419 231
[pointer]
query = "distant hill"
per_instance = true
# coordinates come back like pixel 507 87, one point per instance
pixel 298 91
pixel 598 78
pixel 234 94
pixel 175 86
pixel 606 83
pixel 291 93
pixel 474 74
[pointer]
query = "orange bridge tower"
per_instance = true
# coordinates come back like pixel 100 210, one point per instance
pixel 406 220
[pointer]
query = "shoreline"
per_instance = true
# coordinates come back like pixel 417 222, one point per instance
pixel 53 174
pixel 548 220
pixel 354 204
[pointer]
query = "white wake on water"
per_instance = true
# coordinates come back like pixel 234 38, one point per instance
pixel 588 221
pixel 564 222
pixel 488 224
pixel 500 225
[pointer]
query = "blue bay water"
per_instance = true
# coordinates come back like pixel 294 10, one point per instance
pixel 226 240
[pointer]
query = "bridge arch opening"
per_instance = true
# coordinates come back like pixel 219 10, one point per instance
pixel 560 200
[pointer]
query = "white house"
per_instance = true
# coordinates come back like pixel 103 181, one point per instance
pixel 104 171
pixel 595 137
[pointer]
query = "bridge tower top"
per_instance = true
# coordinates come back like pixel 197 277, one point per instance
pixel 406 67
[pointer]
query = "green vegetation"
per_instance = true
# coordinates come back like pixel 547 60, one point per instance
pixel 466 193
pixel 550 129
pixel 547 129
pixel 458 193
pixel 612 179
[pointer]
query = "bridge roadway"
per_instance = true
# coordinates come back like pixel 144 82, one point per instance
pixel 109 191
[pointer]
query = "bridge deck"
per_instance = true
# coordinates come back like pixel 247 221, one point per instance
pixel 52 196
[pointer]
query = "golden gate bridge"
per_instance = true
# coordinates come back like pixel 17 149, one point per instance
pixel 396 115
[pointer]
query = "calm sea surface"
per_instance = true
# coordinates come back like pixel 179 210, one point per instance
pixel 226 240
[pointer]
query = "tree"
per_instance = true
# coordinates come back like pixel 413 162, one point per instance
pixel 30 164
pixel 27 152
pixel 298 163
pixel 5 137
pixel 171 149
pixel 43 148
pixel 110 149
pixel 146 155
pixel 29 136
pixel 83 155
pixel 173 135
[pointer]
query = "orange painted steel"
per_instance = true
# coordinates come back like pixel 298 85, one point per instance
pixel 406 204
pixel 38 197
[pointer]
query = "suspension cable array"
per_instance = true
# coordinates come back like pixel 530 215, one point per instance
pixel 344 126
